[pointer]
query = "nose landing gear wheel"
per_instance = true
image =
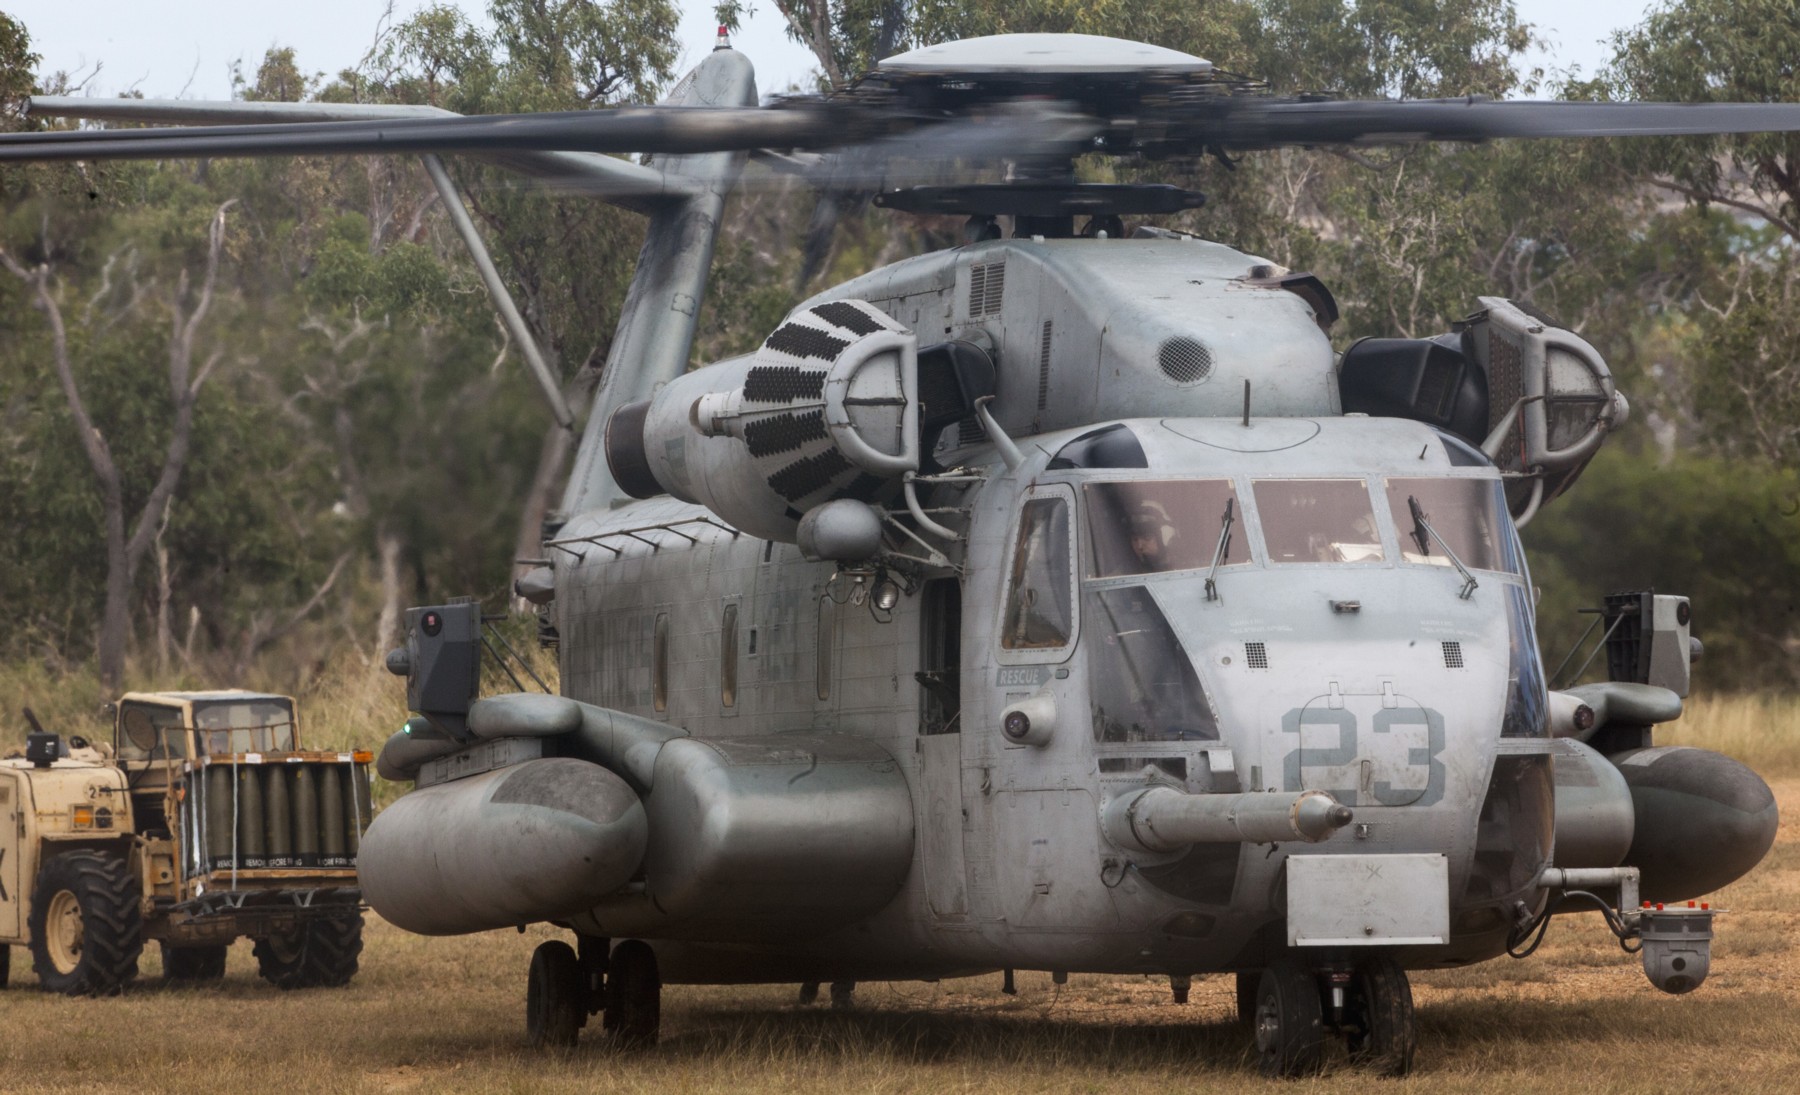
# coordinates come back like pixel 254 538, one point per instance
pixel 633 995
pixel 1290 1026
pixel 1378 1018
pixel 554 1009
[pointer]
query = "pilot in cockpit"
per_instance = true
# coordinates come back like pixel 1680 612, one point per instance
pixel 1151 533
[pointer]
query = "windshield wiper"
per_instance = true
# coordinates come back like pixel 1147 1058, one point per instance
pixel 1219 552
pixel 1423 534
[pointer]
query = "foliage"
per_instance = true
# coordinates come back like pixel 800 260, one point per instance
pixel 1724 533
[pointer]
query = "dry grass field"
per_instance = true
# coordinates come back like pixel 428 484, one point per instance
pixel 432 1015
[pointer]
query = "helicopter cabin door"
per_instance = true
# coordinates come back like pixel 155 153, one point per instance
pixel 1039 860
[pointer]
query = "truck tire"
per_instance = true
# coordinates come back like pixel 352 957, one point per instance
pixel 318 954
pixel 86 928
pixel 193 964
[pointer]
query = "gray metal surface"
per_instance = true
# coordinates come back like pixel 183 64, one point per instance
pixel 537 841
pixel 1367 900
pixel 1044 54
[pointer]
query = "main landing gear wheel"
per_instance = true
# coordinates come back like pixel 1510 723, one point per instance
pixel 633 995
pixel 86 929
pixel 1378 1018
pixel 1290 1026
pixel 555 1009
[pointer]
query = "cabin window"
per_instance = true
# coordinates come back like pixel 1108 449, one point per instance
pixel 728 657
pixel 150 732
pixel 1465 514
pixel 1179 524
pixel 659 662
pixel 1318 521
pixel 1040 598
pixel 1141 681
pixel 827 640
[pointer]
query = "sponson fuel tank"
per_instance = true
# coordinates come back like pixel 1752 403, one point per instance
pixel 636 827
pixel 786 831
pixel 534 841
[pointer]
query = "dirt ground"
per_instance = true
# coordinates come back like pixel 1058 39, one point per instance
pixel 433 1015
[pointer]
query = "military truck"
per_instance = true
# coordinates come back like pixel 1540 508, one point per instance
pixel 203 822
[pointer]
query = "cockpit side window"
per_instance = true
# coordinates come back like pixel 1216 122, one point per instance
pixel 1163 525
pixel 1040 588
pixel 1318 521
pixel 1464 515
pixel 1141 681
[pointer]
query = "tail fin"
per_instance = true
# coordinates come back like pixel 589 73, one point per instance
pixel 656 325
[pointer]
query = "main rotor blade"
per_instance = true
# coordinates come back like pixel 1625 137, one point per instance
pixel 627 129
pixel 1263 123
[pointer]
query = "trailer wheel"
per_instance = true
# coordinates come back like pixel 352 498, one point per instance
pixel 193 964
pixel 86 928
pixel 317 954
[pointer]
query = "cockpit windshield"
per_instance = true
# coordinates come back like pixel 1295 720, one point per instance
pixel 1465 516
pixel 1171 524
pixel 245 726
pixel 1318 521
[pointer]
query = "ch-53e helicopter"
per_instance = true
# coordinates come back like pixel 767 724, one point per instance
pixel 1059 601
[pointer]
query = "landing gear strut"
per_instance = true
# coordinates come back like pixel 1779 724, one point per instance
pixel 564 988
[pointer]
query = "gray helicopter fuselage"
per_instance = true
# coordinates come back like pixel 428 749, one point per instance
pixel 1339 660
pixel 1397 707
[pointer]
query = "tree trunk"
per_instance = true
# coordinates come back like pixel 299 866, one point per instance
pixel 387 626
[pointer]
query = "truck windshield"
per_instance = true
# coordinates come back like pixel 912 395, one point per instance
pixel 1318 521
pixel 1464 513
pixel 1151 527
pixel 262 725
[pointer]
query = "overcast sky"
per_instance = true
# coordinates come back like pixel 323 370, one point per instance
pixel 168 49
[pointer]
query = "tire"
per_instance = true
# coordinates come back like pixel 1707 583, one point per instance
pixel 1380 1032
pixel 1246 998
pixel 554 1008
pixel 193 965
pixel 5 964
pixel 318 953
pixel 633 995
pixel 1290 1027
pixel 86 928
